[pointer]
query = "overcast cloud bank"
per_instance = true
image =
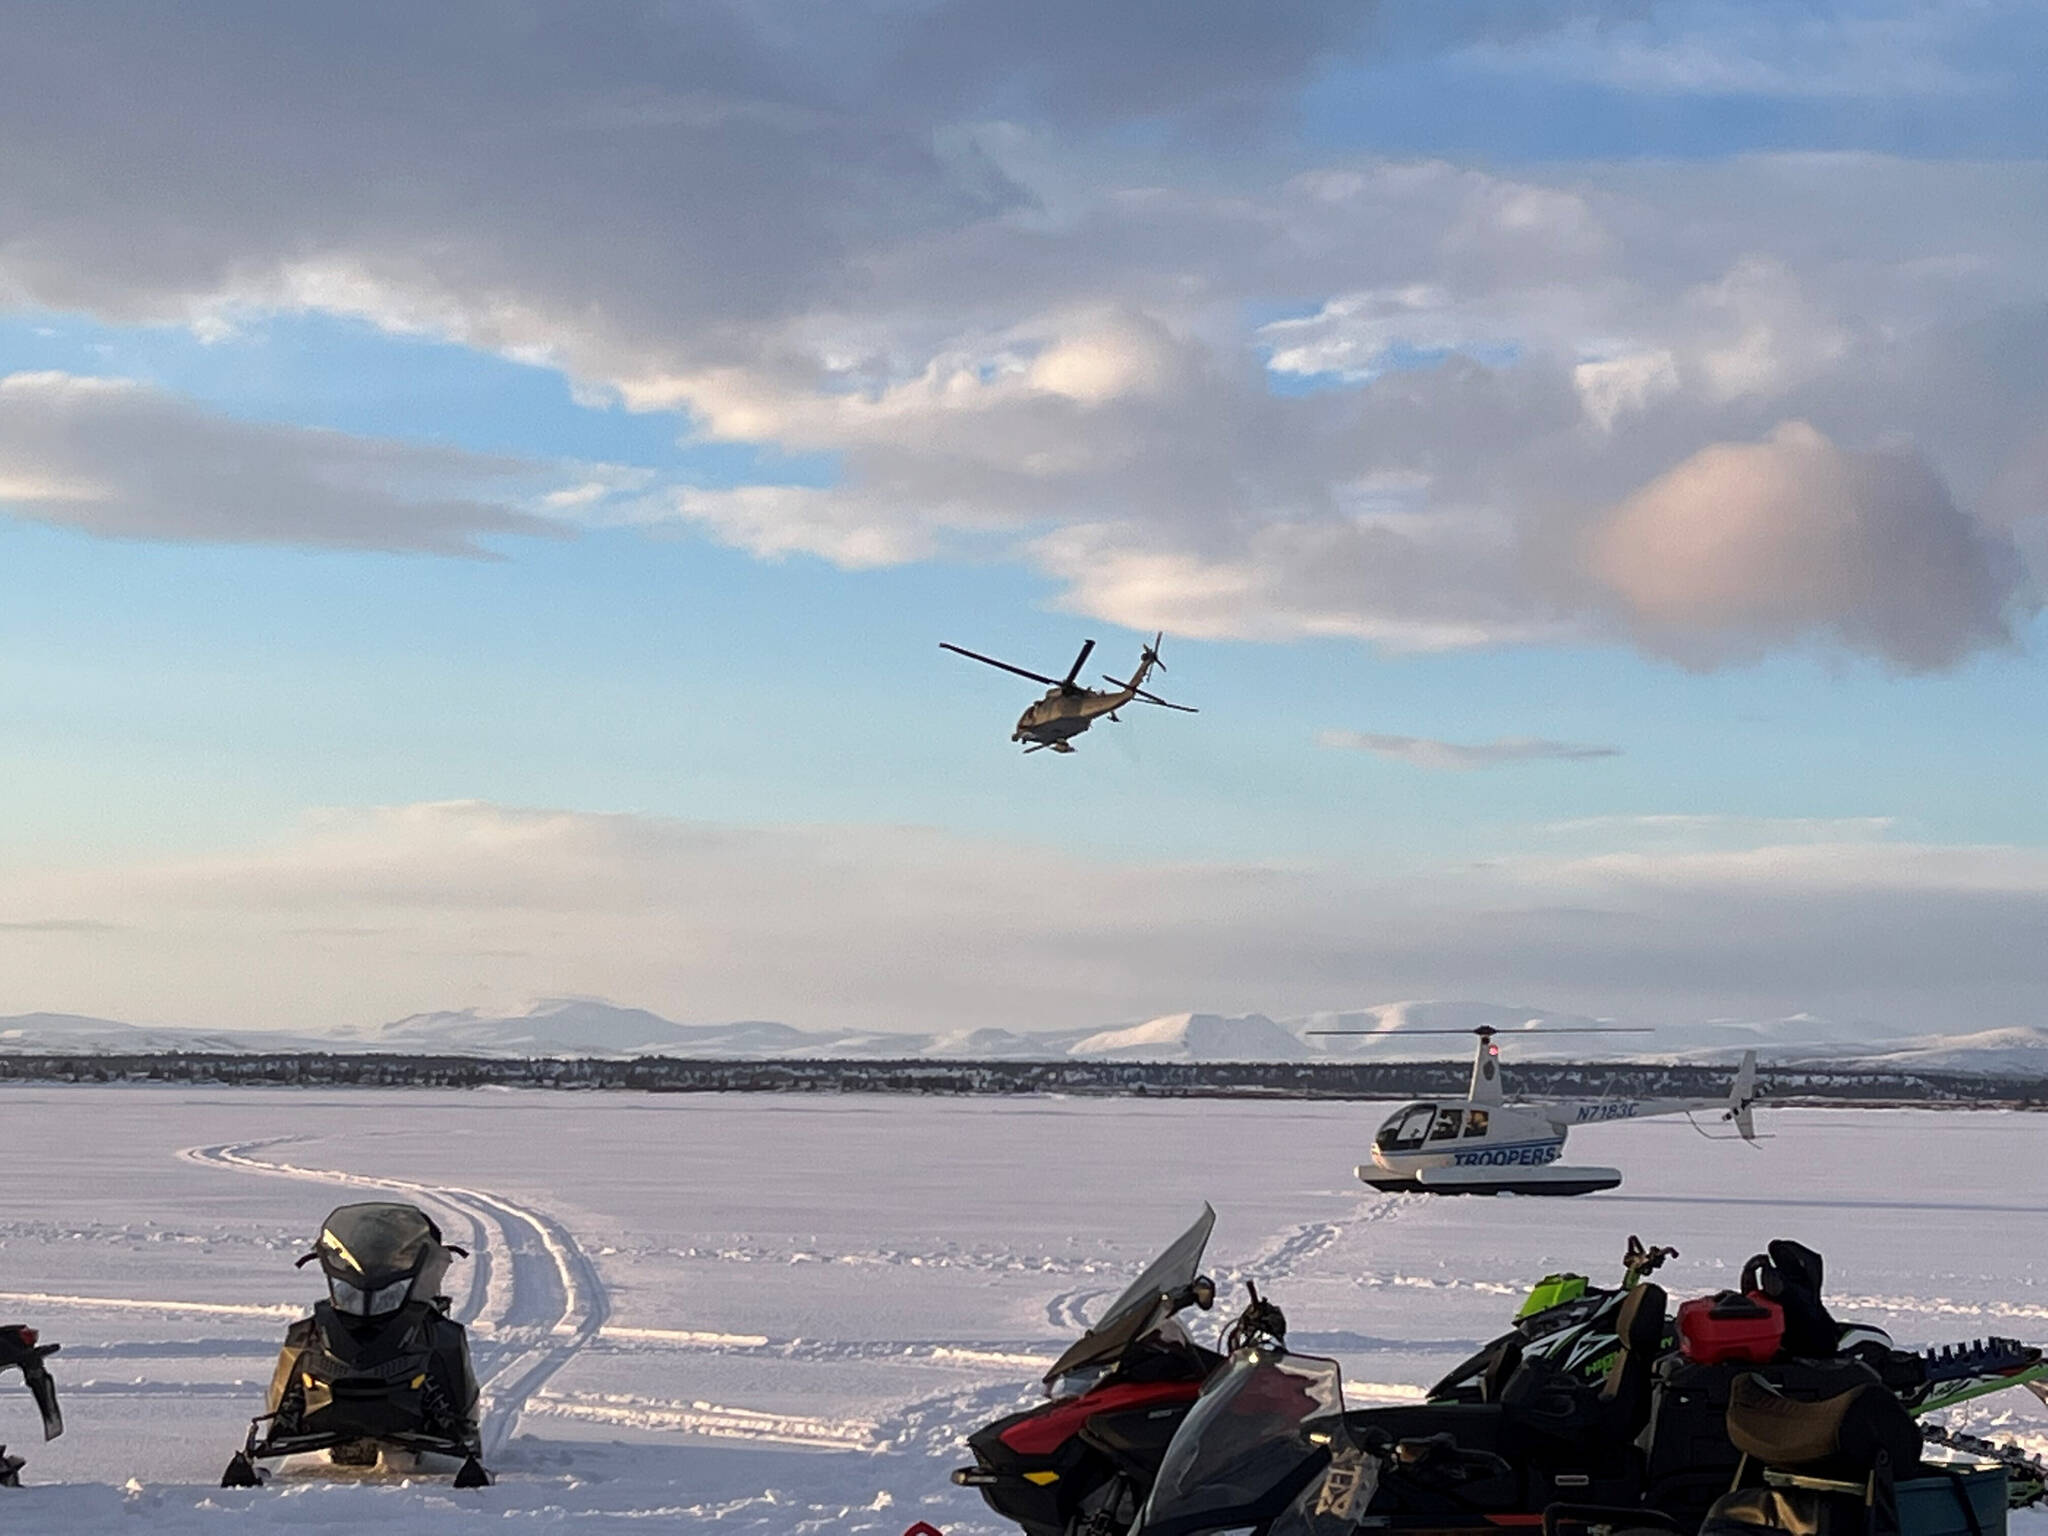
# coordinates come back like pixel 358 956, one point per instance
pixel 923 243
pixel 362 913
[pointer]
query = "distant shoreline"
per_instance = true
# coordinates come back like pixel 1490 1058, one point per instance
pixel 1129 1079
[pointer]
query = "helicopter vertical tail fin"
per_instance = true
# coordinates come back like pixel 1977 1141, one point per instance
pixel 1742 1096
pixel 1485 1087
pixel 1148 660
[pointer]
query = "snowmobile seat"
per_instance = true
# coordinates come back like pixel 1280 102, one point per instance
pixel 1544 1399
pixel 1626 1391
pixel 1501 1368
pixel 1846 1465
pixel 1689 1460
pixel 1943 1502
pixel 1573 1440
pixel 1843 1436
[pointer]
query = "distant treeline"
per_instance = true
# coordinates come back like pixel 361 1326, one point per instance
pixel 1297 1080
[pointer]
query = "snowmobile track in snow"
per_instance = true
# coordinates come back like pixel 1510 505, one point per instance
pixel 535 1296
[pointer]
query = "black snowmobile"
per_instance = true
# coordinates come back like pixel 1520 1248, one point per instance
pixel 1570 1324
pixel 1271 1426
pixel 380 1365
pixel 1274 1451
pixel 1530 1435
pixel 21 1350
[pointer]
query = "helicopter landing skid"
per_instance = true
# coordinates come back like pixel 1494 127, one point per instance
pixel 1553 1179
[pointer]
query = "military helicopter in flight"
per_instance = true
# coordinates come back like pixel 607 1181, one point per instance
pixel 1068 709
pixel 1482 1145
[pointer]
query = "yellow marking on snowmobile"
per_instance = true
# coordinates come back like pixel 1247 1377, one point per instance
pixel 306 1379
pixel 1041 1478
pixel 419 1381
pixel 339 1247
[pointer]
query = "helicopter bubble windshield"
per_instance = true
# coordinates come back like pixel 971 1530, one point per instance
pixel 1407 1128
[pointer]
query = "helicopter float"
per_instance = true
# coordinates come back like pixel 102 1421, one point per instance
pixel 1068 709
pixel 1486 1146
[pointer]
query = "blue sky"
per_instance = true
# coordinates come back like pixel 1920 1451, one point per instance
pixel 600 453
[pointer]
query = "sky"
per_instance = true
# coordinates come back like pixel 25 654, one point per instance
pixel 482 488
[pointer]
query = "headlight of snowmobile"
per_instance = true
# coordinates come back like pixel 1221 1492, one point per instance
pixel 348 1298
pixel 389 1298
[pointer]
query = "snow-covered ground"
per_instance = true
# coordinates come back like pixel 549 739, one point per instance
pixel 781 1314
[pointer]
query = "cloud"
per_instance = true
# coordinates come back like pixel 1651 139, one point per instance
pixel 1423 752
pixel 362 914
pixel 120 459
pixel 1664 829
pixel 1713 48
pixel 1060 290
pixel 1745 546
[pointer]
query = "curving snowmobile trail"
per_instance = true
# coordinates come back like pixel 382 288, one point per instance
pixel 535 1297
pixel 1282 1256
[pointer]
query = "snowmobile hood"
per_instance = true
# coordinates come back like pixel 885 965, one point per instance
pixel 376 1241
pixel 1150 1300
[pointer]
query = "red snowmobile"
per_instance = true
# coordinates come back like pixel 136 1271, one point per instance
pixel 1082 1464
pixel 21 1350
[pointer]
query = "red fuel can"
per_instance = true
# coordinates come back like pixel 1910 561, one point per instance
pixel 1730 1326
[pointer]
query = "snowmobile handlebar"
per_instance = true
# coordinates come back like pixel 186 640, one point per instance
pixel 308 1257
pixel 1260 1323
pixel 22 1347
pixel 1639 1261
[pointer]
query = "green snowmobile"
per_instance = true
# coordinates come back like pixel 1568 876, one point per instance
pixel 1570 1324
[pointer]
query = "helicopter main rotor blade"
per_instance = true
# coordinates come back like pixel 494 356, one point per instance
pixel 961 650
pixel 1511 1034
pixel 1153 698
pixel 1079 661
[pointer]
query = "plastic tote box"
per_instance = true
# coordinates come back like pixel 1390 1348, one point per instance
pixel 1943 1505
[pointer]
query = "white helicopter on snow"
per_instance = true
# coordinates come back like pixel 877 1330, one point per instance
pixel 1486 1146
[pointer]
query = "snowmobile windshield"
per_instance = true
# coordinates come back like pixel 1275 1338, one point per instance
pixel 1263 1426
pixel 1144 1305
pixel 358 1302
pixel 1551 1291
pixel 371 1254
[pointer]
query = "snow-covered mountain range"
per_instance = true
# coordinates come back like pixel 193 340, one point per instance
pixel 1400 1031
